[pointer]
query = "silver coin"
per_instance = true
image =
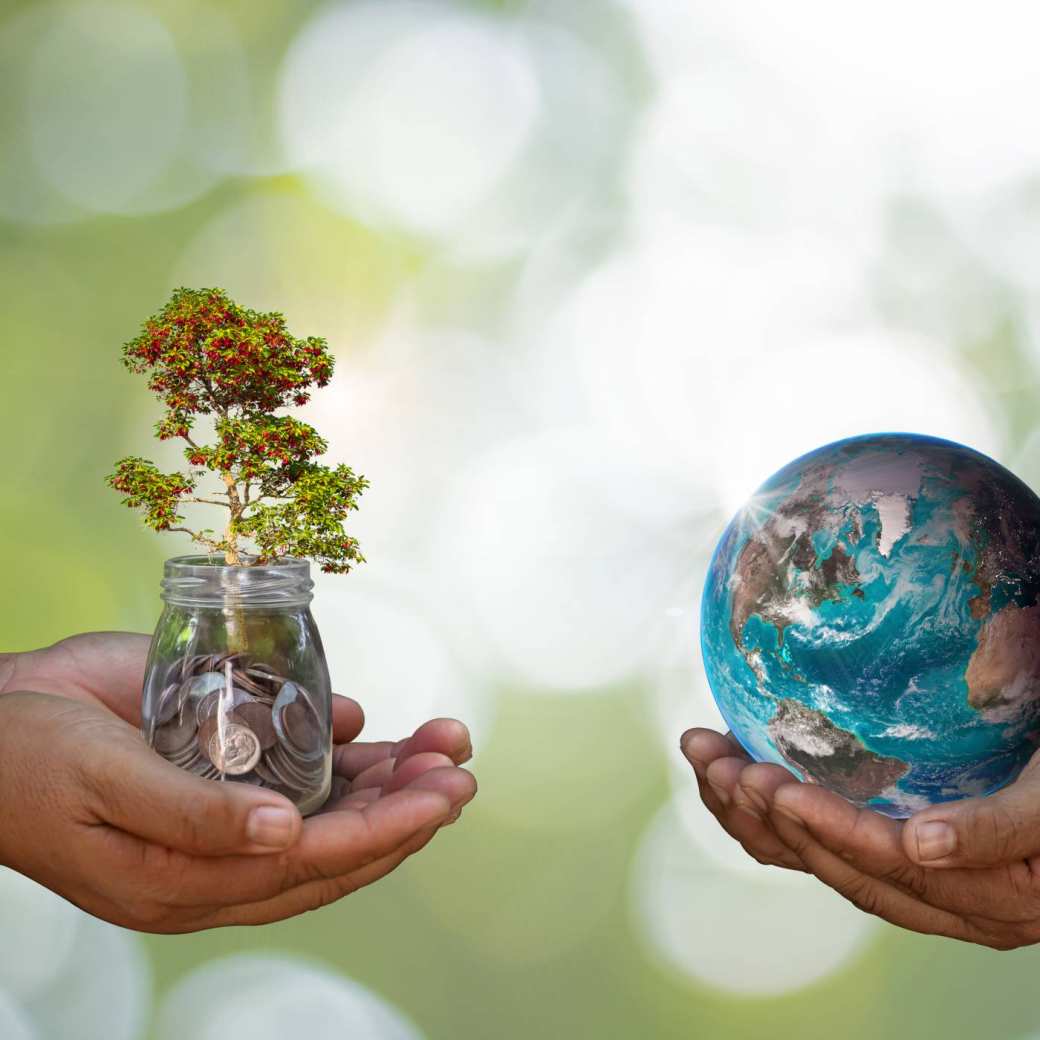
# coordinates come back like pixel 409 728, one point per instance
pixel 197 688
pixel 264 771
pixel 244 681
pixel 167 703
pixel 296 773
pixel 170 739
pixel 297 722
pixel 234 749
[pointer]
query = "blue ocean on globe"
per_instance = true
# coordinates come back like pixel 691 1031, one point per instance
pixel 870 620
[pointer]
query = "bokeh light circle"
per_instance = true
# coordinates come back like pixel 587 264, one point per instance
pixel 564 585
pixel 440 108
pixel 15 1024
pixel 732 391
pixel 103 991
pixel 70 974
pixel 105 130
pixel 40 931
pixel 270 997
pixel 384 650
pixel 752 931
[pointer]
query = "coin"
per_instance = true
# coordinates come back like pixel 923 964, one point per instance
pixel 257 717
pixel 245 682
pixel 233 749
pixel 167 703
pixel 296 721
pixel 170 739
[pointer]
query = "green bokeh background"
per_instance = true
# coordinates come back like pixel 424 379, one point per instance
pixel 518 922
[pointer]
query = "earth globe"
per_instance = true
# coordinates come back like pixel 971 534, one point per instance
pixel 870 620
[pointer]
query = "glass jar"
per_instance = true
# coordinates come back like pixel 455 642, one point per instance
pixel 236 687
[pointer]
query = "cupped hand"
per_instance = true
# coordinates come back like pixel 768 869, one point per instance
pixel 93 813
pixel 968 869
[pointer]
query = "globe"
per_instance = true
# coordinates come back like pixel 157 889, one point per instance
pixel 870 620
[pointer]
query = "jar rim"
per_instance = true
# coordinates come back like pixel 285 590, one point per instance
pixel 214 562
pixel 202 580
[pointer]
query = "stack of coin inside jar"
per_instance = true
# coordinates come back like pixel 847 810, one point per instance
pixel 225 716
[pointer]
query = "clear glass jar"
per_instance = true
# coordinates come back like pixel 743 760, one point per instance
pixel 236 687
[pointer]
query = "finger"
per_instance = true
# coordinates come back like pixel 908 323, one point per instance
pixel 445 736
pixel 458 785
pixel 374 776
pixel 873 844
pixel 753 833
pixel 331 844
pixel 979 832
pixel 702 746
pixel 869 894
pixel 354 799
pixel 414 767
pixel 722 776
pixel 337 843
pixel 749 819
pixel 350 760
pixel 139 792
pixel 316 894
pixel 347 719
pixel 741 818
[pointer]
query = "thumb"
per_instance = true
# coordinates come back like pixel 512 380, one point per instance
pixel 979 832
pixel 140 792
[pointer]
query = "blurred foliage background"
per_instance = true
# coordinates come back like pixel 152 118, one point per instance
pixel 591 271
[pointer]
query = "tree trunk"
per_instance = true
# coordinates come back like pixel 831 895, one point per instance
pixel 233 613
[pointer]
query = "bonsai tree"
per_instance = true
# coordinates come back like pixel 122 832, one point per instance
pixel 206 355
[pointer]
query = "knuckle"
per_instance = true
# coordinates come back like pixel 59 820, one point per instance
pixel 859 891
pixel 908 878
pixel 320 894
pixel 990 830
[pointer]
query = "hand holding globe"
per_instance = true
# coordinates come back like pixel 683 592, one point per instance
pixel 870 624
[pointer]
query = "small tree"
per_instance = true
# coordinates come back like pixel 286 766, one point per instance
pixel 205 355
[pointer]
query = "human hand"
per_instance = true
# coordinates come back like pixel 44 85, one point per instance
pixel 93 813
pixel 976 879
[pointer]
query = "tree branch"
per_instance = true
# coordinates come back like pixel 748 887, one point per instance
pixel 208 502
pixel 197 537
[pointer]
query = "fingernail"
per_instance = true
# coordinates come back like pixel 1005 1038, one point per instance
pixel 720 792
pixel 270 826
pixel 935 839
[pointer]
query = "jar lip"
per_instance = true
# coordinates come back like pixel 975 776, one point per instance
pixel 206 581
pixel 213 563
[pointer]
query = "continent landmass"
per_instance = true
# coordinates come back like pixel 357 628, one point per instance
pixel 828 755
pixel 778 570
pixel 1004 669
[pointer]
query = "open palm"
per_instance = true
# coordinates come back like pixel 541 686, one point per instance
pixel 97 816
pixel 969 869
